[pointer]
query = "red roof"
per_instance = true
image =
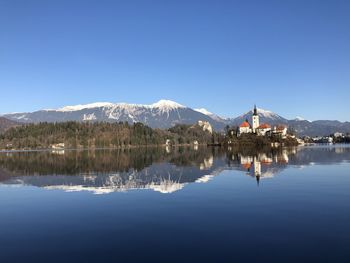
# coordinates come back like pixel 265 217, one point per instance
pixel 280 127
pixel 264 126
pixel 266 162
pixel 246 165
pixel 245 125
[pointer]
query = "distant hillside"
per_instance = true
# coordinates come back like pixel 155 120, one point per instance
pixel 5 124
pixel 318 128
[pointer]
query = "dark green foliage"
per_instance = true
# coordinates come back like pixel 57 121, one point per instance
pixel 252 141
pixel 342 139
pixel 187 134
pixel 98 135
pixel 121 135
pixel 81 135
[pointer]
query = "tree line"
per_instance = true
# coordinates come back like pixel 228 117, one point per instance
pixel 99 135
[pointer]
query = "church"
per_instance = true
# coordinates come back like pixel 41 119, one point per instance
pixel 260 129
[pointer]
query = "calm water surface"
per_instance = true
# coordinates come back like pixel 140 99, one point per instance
pixel 176 205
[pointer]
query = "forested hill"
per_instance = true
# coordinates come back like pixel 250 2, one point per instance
pixel 6 124
pixel 99 134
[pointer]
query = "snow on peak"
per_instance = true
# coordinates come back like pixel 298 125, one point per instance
pixel 89 117
pixel 210 114
pixel 85 106
pixel 298 118
pixel 166 105
pixel 204 178
pixel 162 105
pixel 204 111
pixel 265 113
pixel 167 186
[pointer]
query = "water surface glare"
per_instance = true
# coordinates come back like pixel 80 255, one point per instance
pixel 176 205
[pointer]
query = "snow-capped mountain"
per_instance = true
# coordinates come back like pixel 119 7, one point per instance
pixel 298 118
pixel 210 114
pixel 85 106
pixel 166 113
pixel 265 117
pixel 204 111
pixel 162 114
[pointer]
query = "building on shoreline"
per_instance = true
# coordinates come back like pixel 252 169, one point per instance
pixel 261 129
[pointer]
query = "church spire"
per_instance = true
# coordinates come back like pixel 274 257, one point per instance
pixel 255 119
pixel 255 110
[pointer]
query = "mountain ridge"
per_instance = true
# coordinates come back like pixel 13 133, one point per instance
pixel 162 114
pixel 167 113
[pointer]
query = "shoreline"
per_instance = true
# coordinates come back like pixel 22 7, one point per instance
pixel 103 148
pixel 156 146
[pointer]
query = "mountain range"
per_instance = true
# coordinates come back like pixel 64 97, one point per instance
pixel 165 114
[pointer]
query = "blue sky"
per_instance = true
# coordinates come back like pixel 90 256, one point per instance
pixel 291 57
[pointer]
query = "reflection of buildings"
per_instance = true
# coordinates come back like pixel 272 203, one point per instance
pixel 58 146
pixel 256 168
pixel 168 149
pixel 207 163
pixel 262 165
pixel 58 151
pixel 282 158
pixel 246 161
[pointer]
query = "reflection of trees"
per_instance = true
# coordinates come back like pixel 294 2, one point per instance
pixel 98 161
pixel 109 161
pixel 104 171
pixel 322 155
pixel 188 157
pixel 78 162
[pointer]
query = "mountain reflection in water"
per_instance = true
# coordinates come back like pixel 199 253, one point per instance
pixel 161 169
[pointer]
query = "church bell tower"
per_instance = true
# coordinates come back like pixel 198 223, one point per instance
pixel 255 119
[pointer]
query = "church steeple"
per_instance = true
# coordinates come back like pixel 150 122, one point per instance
pixel 255 110
pixel 255 120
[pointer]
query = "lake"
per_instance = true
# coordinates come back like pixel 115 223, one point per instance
pixel 176 205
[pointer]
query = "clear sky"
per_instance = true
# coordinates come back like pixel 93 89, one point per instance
pixel 291 57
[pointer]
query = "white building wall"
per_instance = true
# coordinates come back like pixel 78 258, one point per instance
pixel 255 122
pixel 244 130
pixel 262 132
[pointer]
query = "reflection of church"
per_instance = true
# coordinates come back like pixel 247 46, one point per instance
pixel 263 166
pixel 256 168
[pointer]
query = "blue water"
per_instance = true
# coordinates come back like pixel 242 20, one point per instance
pixel 297 211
